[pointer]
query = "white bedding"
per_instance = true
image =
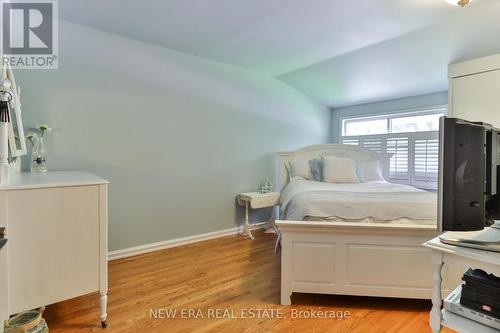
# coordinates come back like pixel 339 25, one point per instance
pixel 376 201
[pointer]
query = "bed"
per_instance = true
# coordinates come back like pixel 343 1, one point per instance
pixel 355 239
pixel 372 201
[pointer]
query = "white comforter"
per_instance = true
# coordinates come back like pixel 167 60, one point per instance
pixel 377 201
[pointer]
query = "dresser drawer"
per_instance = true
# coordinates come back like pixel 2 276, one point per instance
pixel 53 245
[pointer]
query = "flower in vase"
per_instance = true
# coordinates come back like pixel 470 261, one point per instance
pixel 43 128
pixel 31 138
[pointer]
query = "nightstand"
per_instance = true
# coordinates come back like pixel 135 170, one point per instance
pixel 459 259
pixel 257 200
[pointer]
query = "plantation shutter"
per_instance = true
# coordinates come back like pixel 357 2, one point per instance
pixel 353 142
pixel 398 166
pixel 374 144
pixel 410 137
pixel 426 160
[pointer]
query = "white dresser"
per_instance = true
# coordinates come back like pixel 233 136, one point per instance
pixel 56 226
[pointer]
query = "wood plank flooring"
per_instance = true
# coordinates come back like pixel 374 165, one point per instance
pixel 224 278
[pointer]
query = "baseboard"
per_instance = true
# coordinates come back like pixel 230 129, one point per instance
pixel 141 249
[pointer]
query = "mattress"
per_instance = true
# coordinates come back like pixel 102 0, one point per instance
pixel 373 202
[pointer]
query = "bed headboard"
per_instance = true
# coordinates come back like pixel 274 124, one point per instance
pixel 310 152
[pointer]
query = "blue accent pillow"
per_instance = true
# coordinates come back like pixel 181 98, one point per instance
pixel 316 167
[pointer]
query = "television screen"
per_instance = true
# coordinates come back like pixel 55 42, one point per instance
pixel 467 175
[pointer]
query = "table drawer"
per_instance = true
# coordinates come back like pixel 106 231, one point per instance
pixel 267 201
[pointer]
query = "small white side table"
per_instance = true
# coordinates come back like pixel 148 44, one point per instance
pixel 457 259
pixel 257 200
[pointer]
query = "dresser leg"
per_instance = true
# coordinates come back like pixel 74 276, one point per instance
pixel 286 295
pixel 435 315
pixel 103 301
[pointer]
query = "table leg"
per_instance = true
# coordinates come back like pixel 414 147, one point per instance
pixel 247 229
pixel 435 314
pixel 103 300
pixel 270 224
pixel 271 218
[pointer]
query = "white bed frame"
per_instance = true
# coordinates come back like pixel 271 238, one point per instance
pixel 366 259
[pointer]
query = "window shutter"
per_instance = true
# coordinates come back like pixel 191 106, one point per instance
pixel 353 142
pixel 426 160
pixel 398 166
pixel 411 138
pixel 374 144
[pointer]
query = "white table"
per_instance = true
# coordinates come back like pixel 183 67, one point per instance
pixel 457 259
pixel 257 200
pixel 56 224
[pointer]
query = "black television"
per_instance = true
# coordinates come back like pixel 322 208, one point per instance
pixel 468 191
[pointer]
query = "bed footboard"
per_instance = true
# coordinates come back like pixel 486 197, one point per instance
pixel 363 259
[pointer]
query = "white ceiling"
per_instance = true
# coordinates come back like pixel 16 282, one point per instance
pixel 338 52
pixel 408 65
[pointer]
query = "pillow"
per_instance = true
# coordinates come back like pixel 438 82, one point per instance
pixel 339 170
pixel 316 169
pixel 370 170
pixel 312 169
pixel 299 168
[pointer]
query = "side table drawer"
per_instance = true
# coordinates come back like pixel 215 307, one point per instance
pixel 264 201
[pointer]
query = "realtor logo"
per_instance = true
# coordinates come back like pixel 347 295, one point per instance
pixel 29 33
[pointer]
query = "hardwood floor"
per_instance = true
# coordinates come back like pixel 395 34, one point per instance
pixel 230 273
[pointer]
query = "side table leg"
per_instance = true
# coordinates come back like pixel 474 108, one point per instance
pixel 270 225
pixel 435 315
pixel 247 230
pixel 272 218
pixel 103 301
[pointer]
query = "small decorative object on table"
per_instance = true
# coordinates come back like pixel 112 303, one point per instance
pixel 38 152
pixel 267 187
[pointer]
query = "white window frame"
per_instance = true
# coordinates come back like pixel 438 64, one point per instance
pixel 388 116
pixel 412 136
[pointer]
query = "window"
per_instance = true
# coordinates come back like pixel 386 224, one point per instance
pixel 398 123
pixel 429 122
pixel 411 139
pixel 365 127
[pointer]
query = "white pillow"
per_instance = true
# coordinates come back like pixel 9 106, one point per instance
pixel 370 170
pixel 299 168
pixel 339 170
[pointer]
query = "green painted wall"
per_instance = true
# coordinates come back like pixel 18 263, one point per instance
pixel 177 136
